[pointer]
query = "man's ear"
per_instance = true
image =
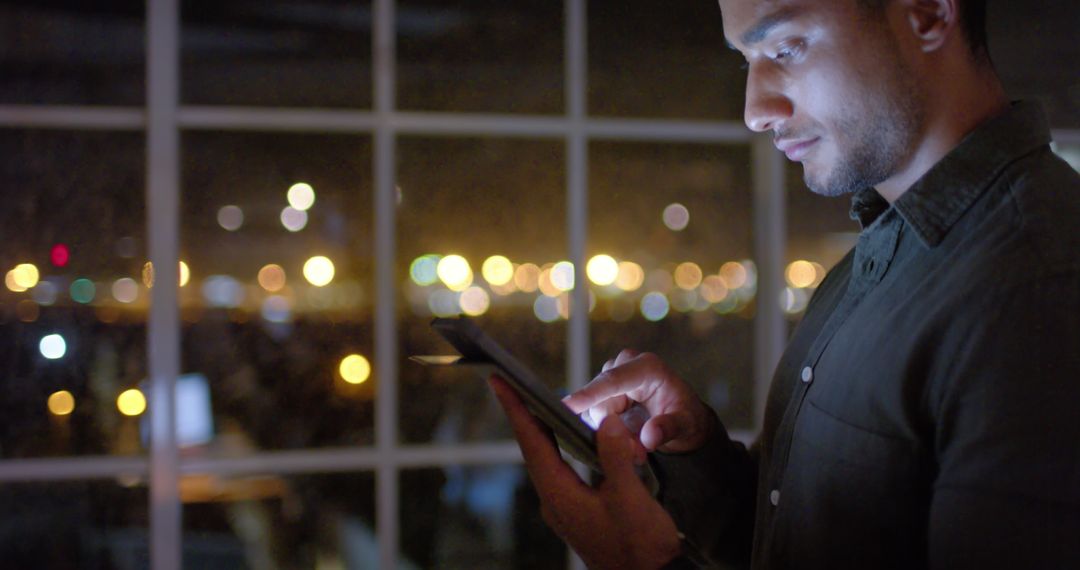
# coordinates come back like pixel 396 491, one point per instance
pixel 932 21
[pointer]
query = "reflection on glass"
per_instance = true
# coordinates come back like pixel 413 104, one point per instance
pixel 72 53
pixel 480 56
pixel 481 228
pixel 662 59
pixel 271 314
pixel 683 282
pixel 68 347
pixel 304 54
pixel 274 521
pixel 477 517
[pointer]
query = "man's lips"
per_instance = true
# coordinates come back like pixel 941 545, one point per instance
pixel 796 149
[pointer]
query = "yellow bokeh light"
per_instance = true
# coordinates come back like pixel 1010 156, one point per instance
pixel 602 269
pixel 148 277
pixel 9 280
pixel 734 274
pixel 527 277
pixel 544 283
pixel 631 276
pixel 25 275
pixel 131 402
pixel 319 271
pixel 713 289
pixel 301 196
pixel 497 270
pixel 474 301
pixel 454 272
pixel 148 274
pixel 688 275
pixel 272 277
pixel 355 369
pixel 61 403
pixel 185 274
pixel 800 274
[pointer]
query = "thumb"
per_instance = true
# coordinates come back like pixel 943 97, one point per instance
pixel 666 431
pixel 618 452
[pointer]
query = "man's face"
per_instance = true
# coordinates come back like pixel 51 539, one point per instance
pixel 827 77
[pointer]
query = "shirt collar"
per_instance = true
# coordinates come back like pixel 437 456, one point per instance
pixel 937 200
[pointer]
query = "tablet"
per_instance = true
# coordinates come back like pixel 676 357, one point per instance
pixel 476 348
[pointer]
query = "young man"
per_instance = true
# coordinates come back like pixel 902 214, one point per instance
pixel 924 413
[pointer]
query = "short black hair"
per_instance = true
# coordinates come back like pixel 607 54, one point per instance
pixel 972 23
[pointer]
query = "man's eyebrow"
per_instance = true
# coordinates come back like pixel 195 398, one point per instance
pixel 762 27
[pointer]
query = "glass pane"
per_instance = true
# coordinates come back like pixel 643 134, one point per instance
pixel 85 53
pixel 465 201
pixel 483 55
pixel 1069 152
pixel 477 517
pixel 277 335
pixel 662 59
pixel 274 521
pixel 90 525
pixel 73 306
pixel 277 53
pixel 670 241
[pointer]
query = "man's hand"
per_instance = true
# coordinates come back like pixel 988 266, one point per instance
pixel 680 422
pixel 615 525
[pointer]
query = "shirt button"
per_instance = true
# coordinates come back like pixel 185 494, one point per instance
pixel 807 374
pixel 774 497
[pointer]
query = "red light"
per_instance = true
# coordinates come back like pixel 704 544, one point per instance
pixel 60 255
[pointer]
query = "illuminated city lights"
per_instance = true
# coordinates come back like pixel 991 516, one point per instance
pixel 602 269
pixel 61 403
pixel 713 289
pixel 454 271
pixel 631 276
pixel 504 289
pixel 82 291
pixel 222 291
pixel 131 402
pixel 676 217
pixel 546 308
pixel 545 284
pixel 230 218
pixel 45 292
pixel 688 275
pixel 800 274
pixel 497 270
pixel 52 346
pixel 25 275
pixel 734 274
pixel 301 196
pixel 527 277
pixel 59 255
pixel 125 290
pixel 793 300
pixel 654 306
pixel 319 271
pixel 562 275
pixel 474 301
pixel 424 270
pixel 148 277
pixel 355 369
pixel 185 274
pixel 148 274
pixel 294 220
pixel 9 281
pixel 276 309
pixel 272 277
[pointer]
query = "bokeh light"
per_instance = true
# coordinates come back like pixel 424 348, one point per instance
pixel 61 403
pixel 125 290
pixel 319 271
pixel 713 289
pixel 800 274
pixel 676 217
pixel 294 220
pixel 544 283
pixel 82 290
pixel 688 275
pixel 131 402
pixel 602 269
pixel 230 217
pixel 734 275
pixel 527 277
pixel 25 275
pixel 423 269
pixel 222 291
pixel 454 271
pixel 631 276
pixel 59 255
pixel 497 270
pixel 9 281
pixel 148 274
pixel 272 277
pixel 443 303
pixel 301 196
pixel 546 308
pixel 355 369
pixel 185 274
pixel 52 346
pixel 654 306
pixel 276 309
pixel 45 292
pixel 474 301
pixel 562 275
pixel 793 300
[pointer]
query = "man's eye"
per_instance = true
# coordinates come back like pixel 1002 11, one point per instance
pixel 786 53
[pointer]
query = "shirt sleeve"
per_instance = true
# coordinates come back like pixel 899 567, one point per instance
pixel 1007 432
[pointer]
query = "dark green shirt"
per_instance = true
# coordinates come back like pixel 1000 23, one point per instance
pixel 926 413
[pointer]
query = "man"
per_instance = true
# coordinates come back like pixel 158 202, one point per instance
pixel 924 414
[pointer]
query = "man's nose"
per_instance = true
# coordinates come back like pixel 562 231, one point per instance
pixel 766 104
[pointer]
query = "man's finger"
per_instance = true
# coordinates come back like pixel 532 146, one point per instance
pixel 619 452
pixel 636 378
